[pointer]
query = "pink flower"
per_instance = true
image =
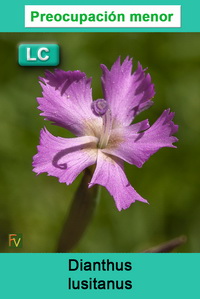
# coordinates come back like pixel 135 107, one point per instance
pixel 105 135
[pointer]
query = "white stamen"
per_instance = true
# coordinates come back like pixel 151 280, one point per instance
pixel 100 108
pixel 106 129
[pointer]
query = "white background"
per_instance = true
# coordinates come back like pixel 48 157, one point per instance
pixel 96 9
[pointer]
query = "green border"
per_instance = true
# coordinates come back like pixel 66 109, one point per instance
pixel 45 275
pixel 12 16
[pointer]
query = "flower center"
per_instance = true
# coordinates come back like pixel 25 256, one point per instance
pixel 100 108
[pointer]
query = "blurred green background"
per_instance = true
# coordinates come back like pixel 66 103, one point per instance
pixel 37 205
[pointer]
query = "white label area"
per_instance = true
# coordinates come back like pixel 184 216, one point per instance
pixel 102 16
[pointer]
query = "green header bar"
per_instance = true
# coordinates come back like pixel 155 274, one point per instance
pixel 13 16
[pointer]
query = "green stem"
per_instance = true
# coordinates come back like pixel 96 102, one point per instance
pixel 80 214
pixel 168 246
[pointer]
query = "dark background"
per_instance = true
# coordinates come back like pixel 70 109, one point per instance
pixel 37 205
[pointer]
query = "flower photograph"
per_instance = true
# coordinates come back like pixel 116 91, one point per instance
pixel 100 154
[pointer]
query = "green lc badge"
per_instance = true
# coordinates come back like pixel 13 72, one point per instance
pixel 38 55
